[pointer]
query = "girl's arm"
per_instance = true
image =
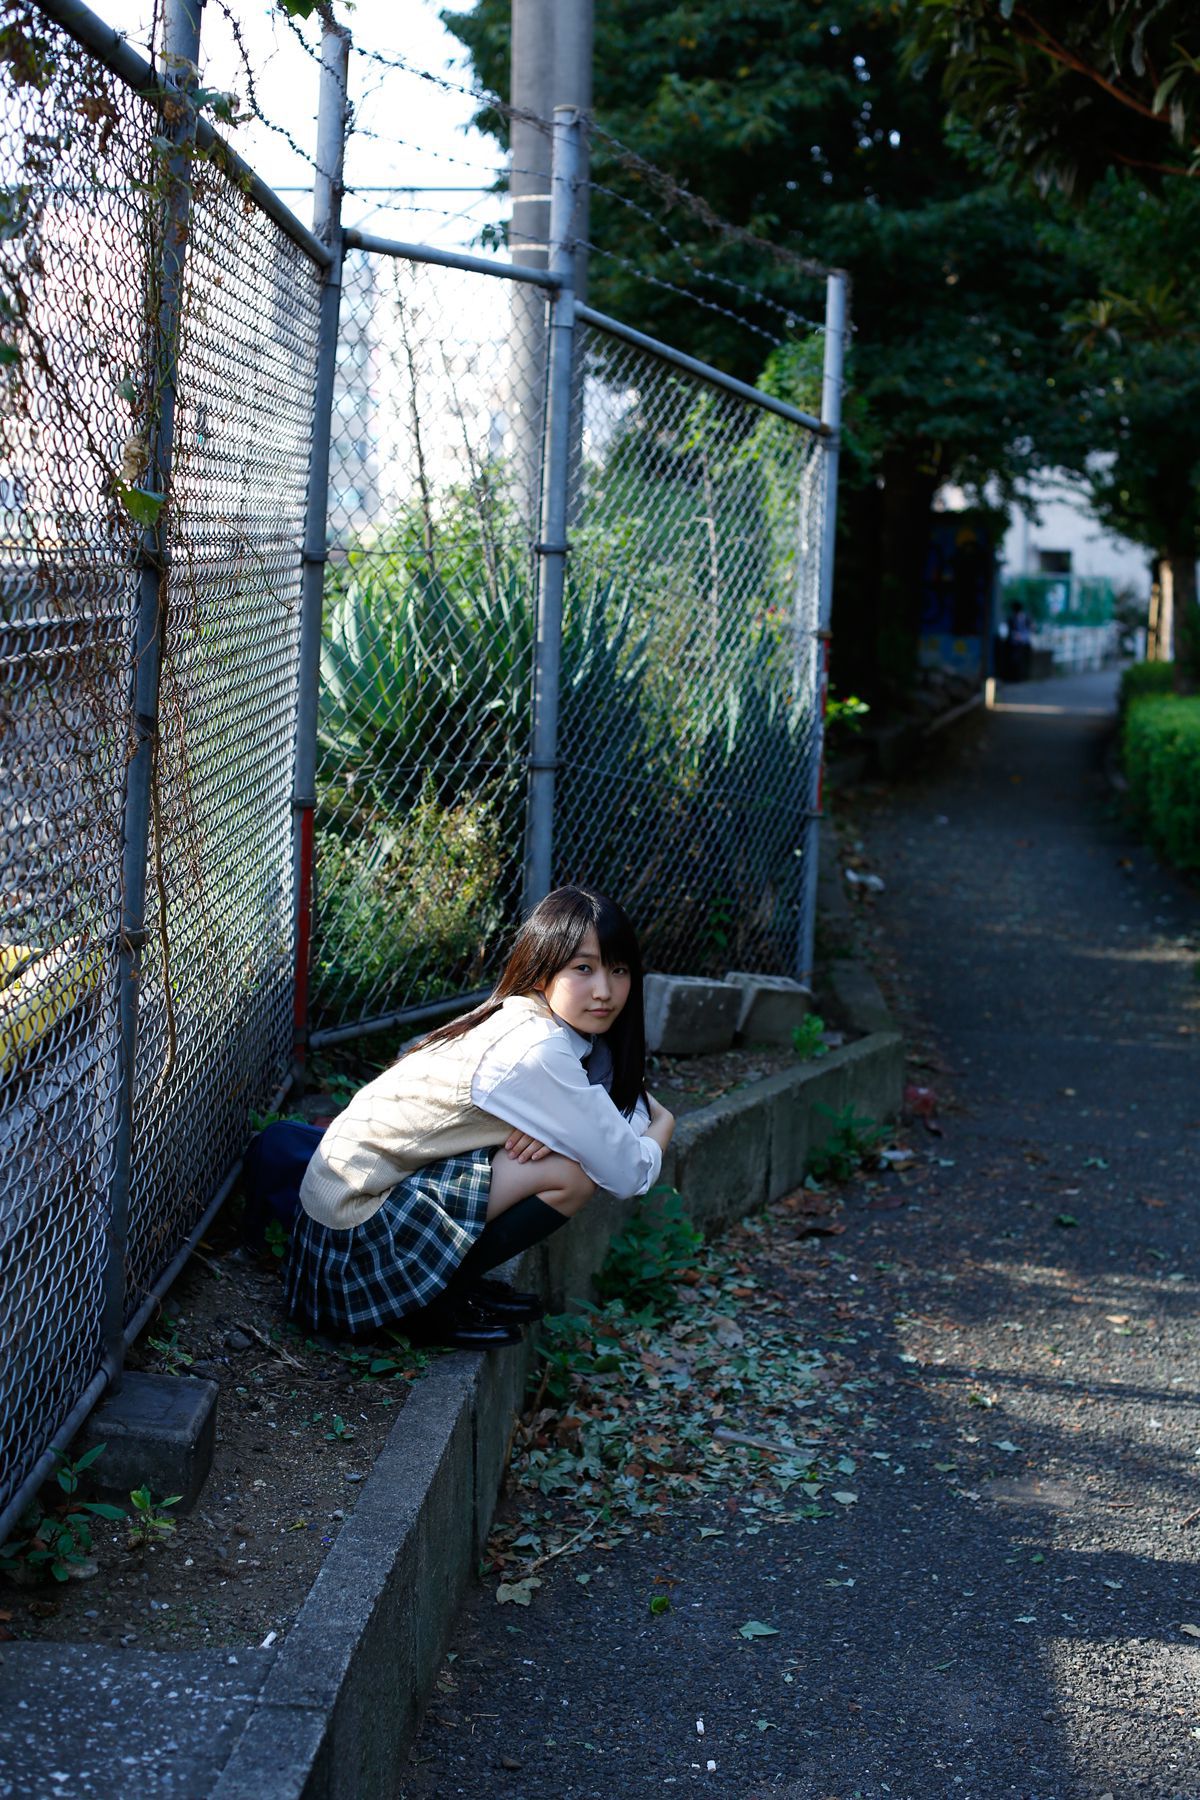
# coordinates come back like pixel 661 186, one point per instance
pixel 662 1123
pixel 542 1091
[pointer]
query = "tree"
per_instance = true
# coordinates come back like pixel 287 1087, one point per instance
pixel 1136 334
pixel 798 122
pixel 1102 101
pixel 1067 89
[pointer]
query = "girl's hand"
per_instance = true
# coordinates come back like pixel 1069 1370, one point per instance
pixel 523 1148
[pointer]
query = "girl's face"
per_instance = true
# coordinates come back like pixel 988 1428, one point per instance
pixel 585 994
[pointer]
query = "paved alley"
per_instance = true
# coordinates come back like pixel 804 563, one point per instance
pixel 1011 1605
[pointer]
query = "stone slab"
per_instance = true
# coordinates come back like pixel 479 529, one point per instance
pixel 772 1006
pixel 853 997
pixel 688 1016
pixel 158 1431
pixel 81 1722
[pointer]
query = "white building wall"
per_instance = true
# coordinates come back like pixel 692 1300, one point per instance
pixel 1059 520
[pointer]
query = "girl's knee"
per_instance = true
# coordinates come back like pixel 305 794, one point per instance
pixel 569 1189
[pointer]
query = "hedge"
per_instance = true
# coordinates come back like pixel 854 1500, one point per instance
pixel 1160 749
pixel 1144 679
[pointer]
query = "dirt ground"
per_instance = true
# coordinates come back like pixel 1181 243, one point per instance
pixel 300 1422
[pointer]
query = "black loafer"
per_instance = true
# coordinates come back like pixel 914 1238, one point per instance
pixel 460 1325
pixel 507 1302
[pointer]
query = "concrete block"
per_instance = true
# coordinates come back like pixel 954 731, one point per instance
pixel 772 1006
pixel 723 1158
pixel 372 1606
pixel 853 998
pixel 791 1135
pixel 284 1751
pixel 158 1431
pixel 687 1016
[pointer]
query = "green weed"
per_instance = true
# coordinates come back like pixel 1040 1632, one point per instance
pixel 150 1521
pixel 647 1260
pixel 808 1039
pixel 172 1352
pixel 849 1144
pixel 53 1540
pixel 277 1238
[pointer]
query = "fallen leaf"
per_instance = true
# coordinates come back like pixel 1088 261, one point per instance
pixel 519 1592
pixel 845 1498
pixel 754 1628
pixel 1005 1444
pixel 659 1605
pixel 1190 1630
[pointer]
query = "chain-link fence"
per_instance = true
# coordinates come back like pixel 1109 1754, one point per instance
pixel 102 1178
pixel 429 629
pixel 689 713
pixel 168 349
pixel 689 691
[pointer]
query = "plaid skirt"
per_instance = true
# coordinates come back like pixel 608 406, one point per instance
pixel 352 1282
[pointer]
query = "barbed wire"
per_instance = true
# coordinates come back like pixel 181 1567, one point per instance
pixel 789 314
pixel 253 102
pixel 460 162
pixel 395 64
pixel 673 287
pixel 676 193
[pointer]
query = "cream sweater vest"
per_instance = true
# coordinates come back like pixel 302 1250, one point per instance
pixel 418 1111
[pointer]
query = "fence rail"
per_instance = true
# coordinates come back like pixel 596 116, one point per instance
pixel 350 593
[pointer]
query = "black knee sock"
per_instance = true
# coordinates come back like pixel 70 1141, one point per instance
pixel 518 1228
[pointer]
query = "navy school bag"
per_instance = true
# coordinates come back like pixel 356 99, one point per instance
pixel 272 1171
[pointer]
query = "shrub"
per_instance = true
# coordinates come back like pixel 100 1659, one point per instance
pixel 1160 747
pixel 1143 679
pixel 414 903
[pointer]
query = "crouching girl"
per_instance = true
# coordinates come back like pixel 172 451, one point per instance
pixel 488 1135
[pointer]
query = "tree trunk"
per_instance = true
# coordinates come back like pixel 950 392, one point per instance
pixel 908 491
pixel 1180 572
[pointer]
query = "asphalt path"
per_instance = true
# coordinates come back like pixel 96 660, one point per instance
pixel 1011 1605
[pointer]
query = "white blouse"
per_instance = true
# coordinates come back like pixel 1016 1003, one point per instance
pixel 534 1079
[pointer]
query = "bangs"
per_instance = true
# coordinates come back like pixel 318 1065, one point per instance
pixel 618 941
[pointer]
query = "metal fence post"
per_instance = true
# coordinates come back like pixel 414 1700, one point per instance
pixel 181 54
pixel 327 225
pixel 831 419
pixel 552 547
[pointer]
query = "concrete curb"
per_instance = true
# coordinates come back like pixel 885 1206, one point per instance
pixel 330 1713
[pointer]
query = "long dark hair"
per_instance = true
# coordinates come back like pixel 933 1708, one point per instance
pixel 545 944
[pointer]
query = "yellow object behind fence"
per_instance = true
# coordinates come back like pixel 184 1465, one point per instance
pixel 37 988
